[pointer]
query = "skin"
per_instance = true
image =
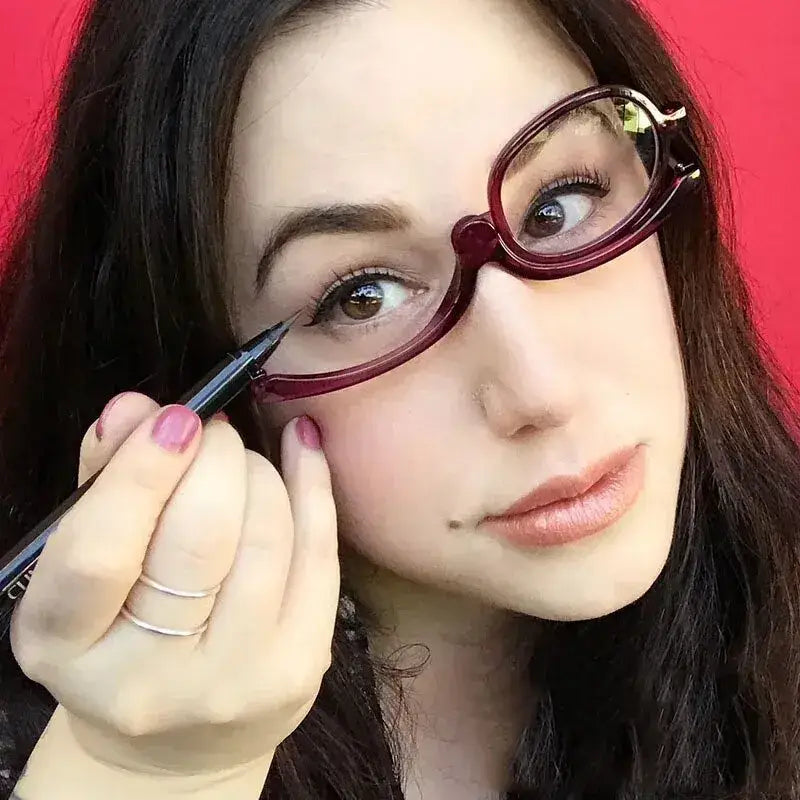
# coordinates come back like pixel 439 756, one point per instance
pixel 409 102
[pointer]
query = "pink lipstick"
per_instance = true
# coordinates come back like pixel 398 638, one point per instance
pixel 568 508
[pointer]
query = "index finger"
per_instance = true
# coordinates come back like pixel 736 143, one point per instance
pixel 93 559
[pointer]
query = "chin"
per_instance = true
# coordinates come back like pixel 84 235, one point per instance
pixel 595 608
pixel 592 598
pixel 577 584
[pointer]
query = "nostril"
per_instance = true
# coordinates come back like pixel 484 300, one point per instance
pixel 474 241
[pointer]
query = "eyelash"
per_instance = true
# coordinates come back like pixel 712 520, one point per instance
pixel 321 302
pixel 586 177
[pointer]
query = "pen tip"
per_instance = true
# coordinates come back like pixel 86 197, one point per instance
pixel 262 345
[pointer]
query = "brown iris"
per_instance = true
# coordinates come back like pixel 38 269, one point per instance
pixel 546 219
pixel 362 302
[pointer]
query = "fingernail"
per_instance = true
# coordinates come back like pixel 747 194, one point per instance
pixel 99 428
pixel 308 433
pixel 221 416
pixel 175 428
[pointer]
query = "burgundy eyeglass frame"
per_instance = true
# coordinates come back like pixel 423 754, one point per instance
pixel 480 239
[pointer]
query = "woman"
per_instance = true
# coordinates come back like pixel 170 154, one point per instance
pixel 218 166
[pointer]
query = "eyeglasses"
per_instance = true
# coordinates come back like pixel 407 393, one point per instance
pixel 582 183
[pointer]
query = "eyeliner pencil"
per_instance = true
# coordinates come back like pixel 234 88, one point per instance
pixel 208 396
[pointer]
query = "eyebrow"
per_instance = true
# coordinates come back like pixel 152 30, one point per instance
pixel 531 150
pixel 336 218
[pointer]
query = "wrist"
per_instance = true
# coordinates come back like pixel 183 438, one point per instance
pixel 60 769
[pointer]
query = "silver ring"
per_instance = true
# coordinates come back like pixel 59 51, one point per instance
pixel 147 581
pixel 157 628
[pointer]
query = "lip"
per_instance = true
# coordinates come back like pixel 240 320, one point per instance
pixel 567 508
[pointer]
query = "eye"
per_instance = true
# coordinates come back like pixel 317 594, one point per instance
pixel 564 206
pixel 363 296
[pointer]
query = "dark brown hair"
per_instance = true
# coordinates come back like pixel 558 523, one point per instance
pixel 111 282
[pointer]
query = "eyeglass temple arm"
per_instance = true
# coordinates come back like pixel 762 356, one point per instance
pixel 686 178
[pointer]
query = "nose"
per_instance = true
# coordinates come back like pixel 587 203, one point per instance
pixel 523 380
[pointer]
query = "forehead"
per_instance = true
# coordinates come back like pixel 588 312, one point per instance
pixel 406 100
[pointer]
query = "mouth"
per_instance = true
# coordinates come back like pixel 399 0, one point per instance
pixel 571 507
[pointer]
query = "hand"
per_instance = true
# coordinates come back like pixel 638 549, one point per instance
pixel 192 512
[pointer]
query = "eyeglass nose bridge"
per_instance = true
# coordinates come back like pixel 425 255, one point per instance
pixel 475 242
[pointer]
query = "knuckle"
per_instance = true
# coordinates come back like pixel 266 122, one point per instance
pixel 223 706
pixel 320 667
pixel 31 655
pixel 97 566
pixel 301 686
pixel 132 714
pixel 198 550
pixel 199 536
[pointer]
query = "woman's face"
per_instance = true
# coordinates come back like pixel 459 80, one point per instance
pixel 407 103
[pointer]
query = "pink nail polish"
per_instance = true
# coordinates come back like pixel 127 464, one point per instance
pixel 175 428
pixel 308 433
pixel 98 429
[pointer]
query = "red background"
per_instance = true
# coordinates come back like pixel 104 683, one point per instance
pixel 744 56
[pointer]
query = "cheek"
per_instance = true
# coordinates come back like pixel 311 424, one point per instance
pixel 652 344
pixel 378 480
pixel 382 440
pixel 636 348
